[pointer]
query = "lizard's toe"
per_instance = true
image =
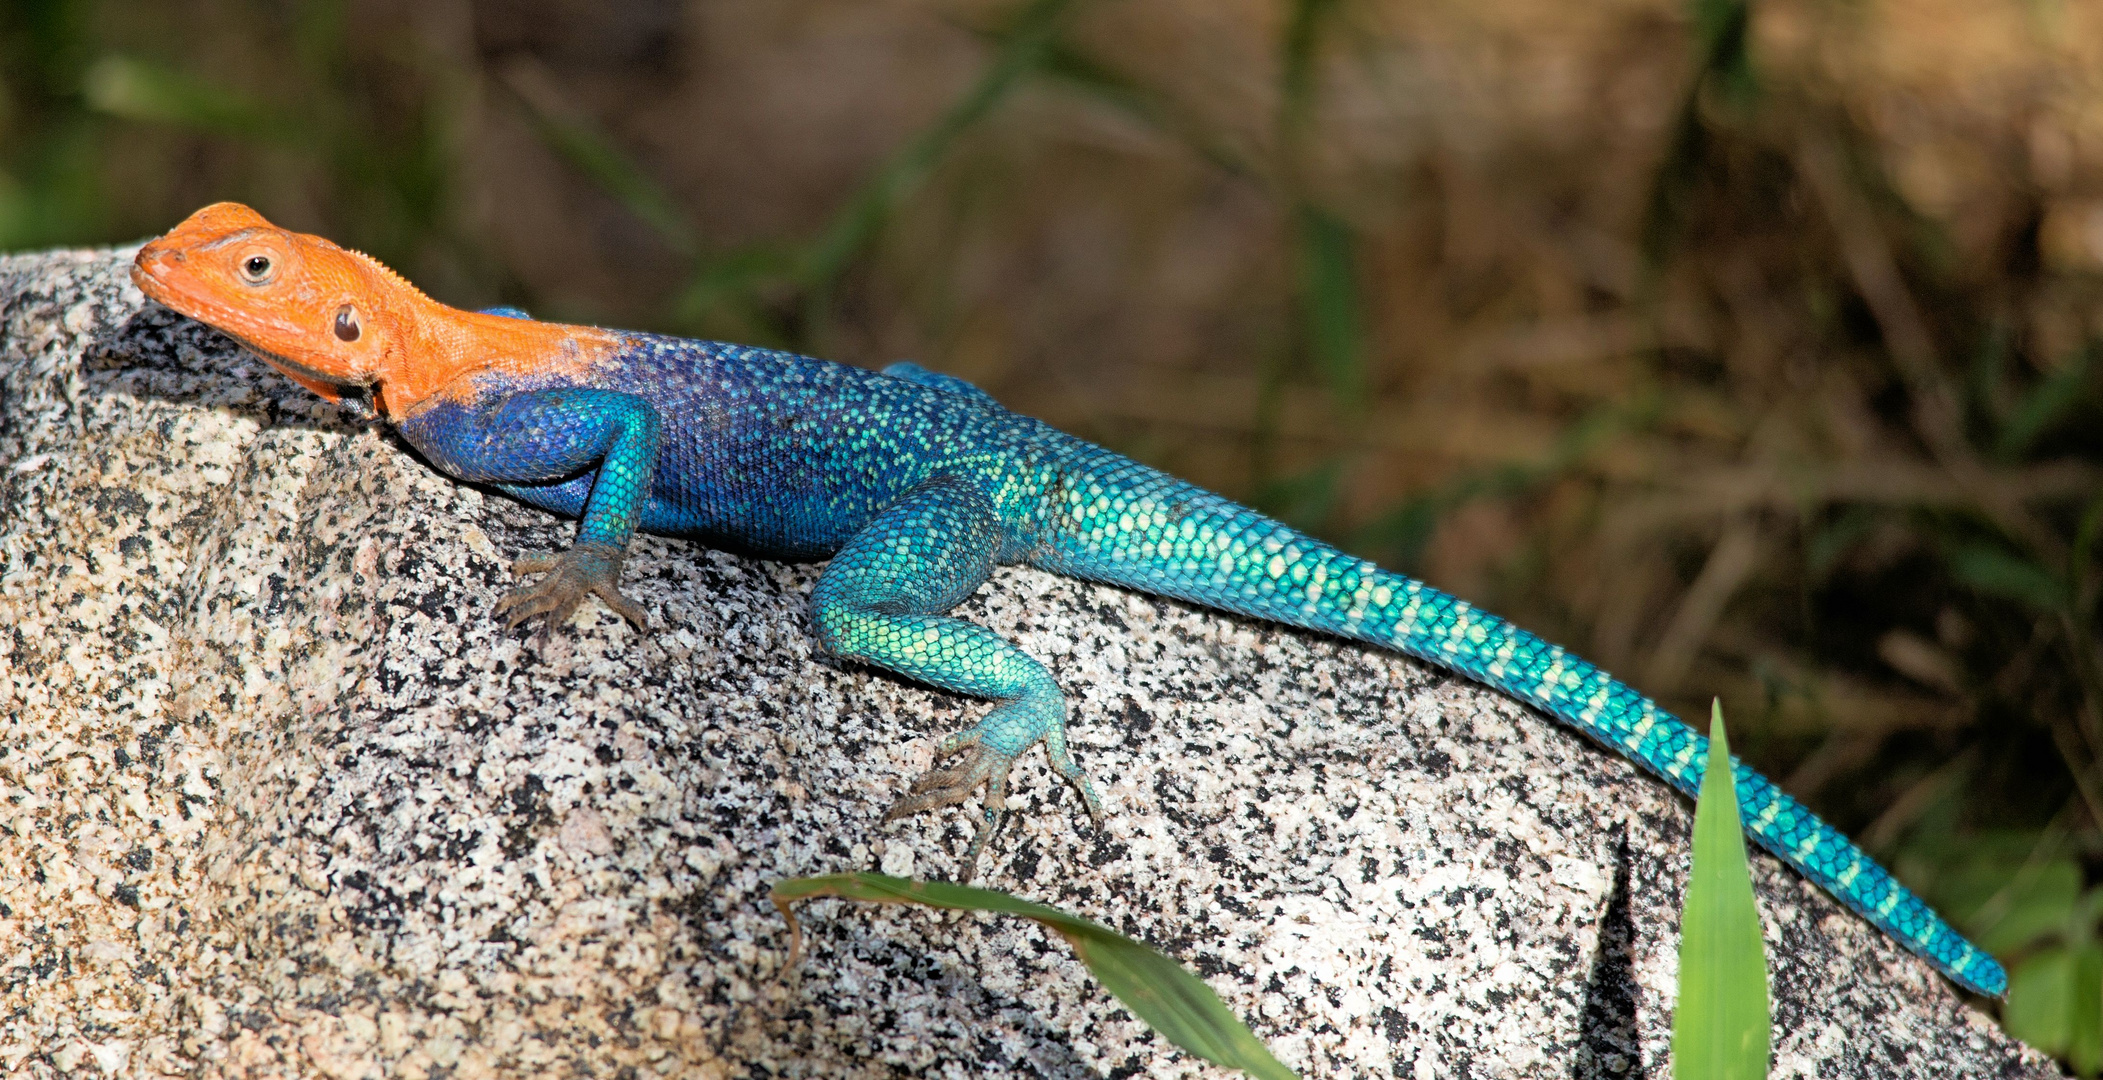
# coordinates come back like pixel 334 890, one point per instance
pixel 948 786
pixel 526 603
pixel 622 606
pixel 537 563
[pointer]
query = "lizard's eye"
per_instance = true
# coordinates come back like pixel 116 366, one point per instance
pixel 347 323
pixel 256 268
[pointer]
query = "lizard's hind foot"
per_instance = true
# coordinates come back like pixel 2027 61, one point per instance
pixel 987 752
pixel 584 570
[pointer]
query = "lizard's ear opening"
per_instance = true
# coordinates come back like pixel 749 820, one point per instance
pixel 347 326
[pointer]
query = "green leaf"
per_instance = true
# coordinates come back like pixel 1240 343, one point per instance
pixel 1991 570
pixel 1329 298
pixel 1157 989
pixel 2085 1010
pixel 2046 405
pixel 2040 1000
pixel 1720 1027
pixel 139 90
pixel 2055 1003
pixel 2040 905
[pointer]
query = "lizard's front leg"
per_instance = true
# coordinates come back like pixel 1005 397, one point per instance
pixel 539 445
pixel 881 601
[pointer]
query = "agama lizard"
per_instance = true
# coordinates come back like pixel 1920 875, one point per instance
pixel 916 486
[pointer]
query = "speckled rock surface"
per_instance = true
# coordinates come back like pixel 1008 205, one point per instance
pixel 278 798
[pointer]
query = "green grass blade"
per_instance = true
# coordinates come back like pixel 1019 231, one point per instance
pixel 815 265
pixel 1158 990
pixel 2048 404
pixel 1025 46
pixel 1334 330
pixel 136 89
pixel 1720 1028
pixel 578 139
pixel 1991 570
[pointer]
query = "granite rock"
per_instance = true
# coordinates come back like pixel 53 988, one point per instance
pixel 279 798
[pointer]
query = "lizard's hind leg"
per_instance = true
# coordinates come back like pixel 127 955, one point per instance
pixel 882 602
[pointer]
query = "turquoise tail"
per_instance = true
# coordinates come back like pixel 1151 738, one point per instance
pixel 1114 520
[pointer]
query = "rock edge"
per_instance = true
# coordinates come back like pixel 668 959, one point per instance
pixel 281 799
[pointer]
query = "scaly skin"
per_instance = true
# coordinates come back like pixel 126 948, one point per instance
pixel 915 486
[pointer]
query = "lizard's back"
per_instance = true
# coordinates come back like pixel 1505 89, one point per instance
pixel 790 456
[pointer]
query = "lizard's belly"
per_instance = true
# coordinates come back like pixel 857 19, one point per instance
pixel 776 517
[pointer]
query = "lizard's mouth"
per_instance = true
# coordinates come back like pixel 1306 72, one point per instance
pixel 360 396
pixel 293 367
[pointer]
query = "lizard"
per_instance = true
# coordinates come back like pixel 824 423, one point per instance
pixel 915 486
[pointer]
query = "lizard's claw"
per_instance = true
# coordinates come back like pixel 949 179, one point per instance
pixel 584 570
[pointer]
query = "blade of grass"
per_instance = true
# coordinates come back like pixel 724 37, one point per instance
pixel 1303 29
pixel 1722 49
pixel 1025 47
pixel 1992 570
pixel 1720 1027
pixel 814 266
pixel 1158 990
pixel 1072 68
pixel 2046 405
pixel 1722 31
pixel 1397 537
pixel 1331 327
pixel 576 137
pixel 1335 332
pixel 136 89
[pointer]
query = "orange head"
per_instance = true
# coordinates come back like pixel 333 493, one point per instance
pixel 336 320
pixel 329 317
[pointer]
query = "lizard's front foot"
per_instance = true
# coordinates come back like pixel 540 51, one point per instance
pixel 584 570
pixel 986 753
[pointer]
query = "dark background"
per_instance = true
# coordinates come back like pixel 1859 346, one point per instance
pixel 1750 351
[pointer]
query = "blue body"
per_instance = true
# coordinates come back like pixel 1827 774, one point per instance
pixel 916 485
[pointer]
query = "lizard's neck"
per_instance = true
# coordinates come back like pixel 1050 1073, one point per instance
pixel 447 352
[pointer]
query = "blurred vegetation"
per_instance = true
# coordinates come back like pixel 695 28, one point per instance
pixel 1751 350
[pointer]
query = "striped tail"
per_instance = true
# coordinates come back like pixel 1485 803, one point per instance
pixel 1120 522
